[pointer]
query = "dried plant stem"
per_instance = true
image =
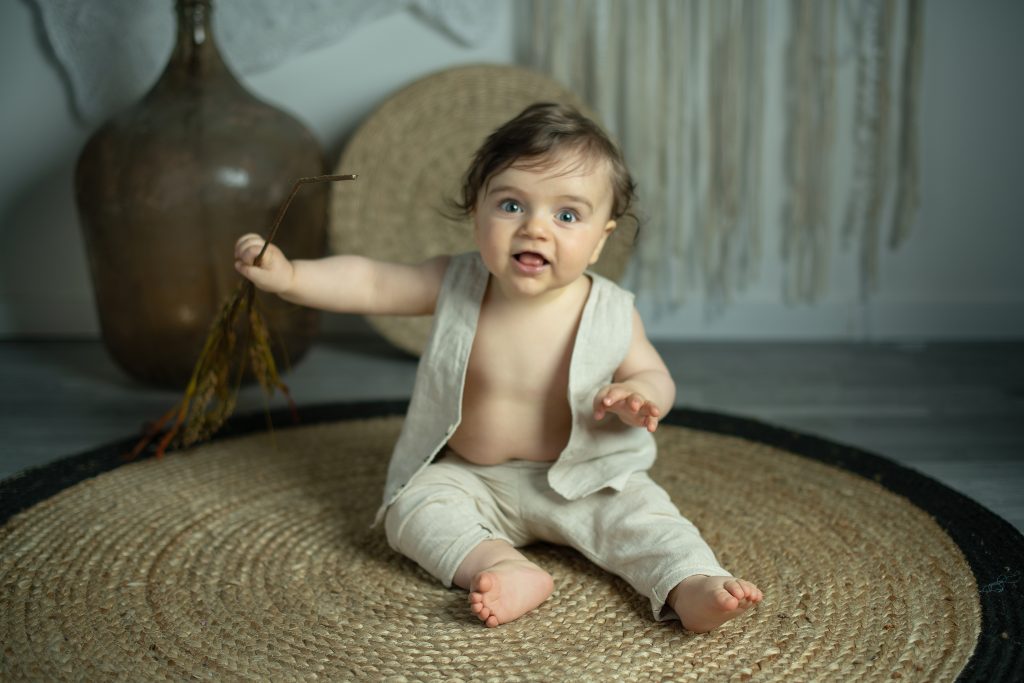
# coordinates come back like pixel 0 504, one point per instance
pixel 212 390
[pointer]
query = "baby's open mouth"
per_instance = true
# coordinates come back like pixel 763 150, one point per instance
pixel 531 258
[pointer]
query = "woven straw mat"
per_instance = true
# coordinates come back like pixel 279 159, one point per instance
pixel 253 558
pixel 410 155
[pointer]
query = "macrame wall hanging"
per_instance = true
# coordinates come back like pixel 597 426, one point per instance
pixel 885 191
pixel 682 84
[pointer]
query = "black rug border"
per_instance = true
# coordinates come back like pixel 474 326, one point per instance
pixel 994 549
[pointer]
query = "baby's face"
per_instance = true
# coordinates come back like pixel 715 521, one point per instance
pixel 539 226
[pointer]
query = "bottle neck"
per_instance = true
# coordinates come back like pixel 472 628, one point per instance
pixel 195 49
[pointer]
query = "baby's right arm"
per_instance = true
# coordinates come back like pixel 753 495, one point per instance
pixel 343 284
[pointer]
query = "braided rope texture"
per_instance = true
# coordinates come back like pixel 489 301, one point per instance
pixel 252 558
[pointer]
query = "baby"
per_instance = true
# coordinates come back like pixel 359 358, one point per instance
pixel 538 392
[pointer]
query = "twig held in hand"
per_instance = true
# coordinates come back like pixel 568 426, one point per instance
pixel 212 390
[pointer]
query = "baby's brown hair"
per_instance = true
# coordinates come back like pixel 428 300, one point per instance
pixel 540 129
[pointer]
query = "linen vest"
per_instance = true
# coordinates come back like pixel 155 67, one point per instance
pixel 597 455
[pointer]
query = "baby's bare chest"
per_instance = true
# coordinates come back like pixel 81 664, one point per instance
pixel 515 360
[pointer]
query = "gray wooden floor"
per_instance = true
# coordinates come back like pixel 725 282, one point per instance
pixel 952 411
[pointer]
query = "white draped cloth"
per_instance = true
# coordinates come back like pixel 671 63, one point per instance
pixel 112 51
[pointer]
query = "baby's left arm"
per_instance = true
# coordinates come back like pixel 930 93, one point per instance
pixel 642 391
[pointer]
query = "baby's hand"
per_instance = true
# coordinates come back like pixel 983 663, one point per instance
pixel 631 407
pixel 275 272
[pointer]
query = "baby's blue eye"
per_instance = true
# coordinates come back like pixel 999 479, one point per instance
pixel 510 206
pixel 566 216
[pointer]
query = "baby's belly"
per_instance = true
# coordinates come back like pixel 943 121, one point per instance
pixel 493 432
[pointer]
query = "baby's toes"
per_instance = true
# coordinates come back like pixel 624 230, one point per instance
pixel 736 589
pixel 726 600
pixel 483 613
pixel 750 591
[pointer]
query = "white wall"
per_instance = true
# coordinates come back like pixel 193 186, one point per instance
pixel 959 276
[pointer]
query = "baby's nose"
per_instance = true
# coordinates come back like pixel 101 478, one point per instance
pixel 535 226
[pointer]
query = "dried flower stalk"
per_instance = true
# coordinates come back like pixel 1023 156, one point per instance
pixel 212 390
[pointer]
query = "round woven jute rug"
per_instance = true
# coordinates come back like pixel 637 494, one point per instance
pixel 252 557
pixel 411 154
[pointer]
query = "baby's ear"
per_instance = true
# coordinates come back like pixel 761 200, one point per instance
pixel 609 228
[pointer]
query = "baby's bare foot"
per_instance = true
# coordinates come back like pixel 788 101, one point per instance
pixel 508 590
pixel 706 602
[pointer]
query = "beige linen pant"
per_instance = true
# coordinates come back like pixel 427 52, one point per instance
pixel 637 534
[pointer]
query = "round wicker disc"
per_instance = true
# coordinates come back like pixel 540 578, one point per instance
pixel 253 558
pixel 411 154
